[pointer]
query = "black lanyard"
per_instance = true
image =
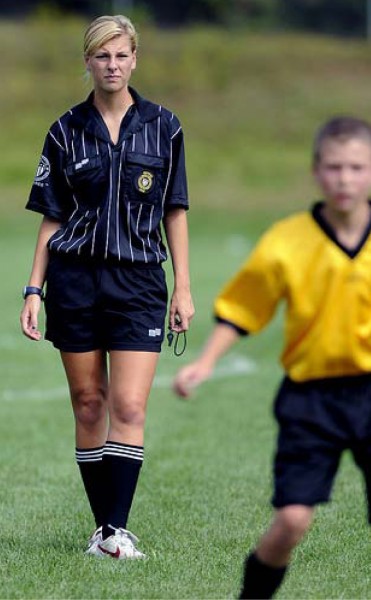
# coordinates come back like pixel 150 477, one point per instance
pixel 170 338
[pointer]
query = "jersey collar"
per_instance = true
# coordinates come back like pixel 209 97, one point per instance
pixel 328 230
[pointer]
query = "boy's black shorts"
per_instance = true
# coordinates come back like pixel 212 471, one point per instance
pixel 318 420
pixel 92 305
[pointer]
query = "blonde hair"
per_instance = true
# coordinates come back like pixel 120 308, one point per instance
pixel 104 28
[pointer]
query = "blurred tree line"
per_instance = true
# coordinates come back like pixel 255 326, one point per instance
pixel 344 17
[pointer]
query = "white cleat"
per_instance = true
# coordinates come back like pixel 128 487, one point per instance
pixel 121 545
pixel 93 544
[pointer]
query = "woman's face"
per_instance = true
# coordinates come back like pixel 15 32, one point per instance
pixel 111 65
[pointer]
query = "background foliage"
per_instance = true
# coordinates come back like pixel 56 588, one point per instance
pixel 344 17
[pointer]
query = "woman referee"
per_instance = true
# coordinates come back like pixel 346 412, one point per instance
pixel 112 172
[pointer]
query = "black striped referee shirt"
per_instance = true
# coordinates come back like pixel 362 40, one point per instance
pixel 111 198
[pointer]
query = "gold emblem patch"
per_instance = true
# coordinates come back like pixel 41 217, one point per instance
pixel 145 182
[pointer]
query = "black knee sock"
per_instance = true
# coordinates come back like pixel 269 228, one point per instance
pixel 260 580
pixel 90 464
pixel 121 463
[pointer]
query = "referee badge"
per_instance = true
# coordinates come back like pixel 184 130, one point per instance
pixel 144 182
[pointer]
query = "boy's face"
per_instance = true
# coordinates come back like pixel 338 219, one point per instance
pixel 343 173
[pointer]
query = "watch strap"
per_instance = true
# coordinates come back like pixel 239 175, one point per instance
pixel 30 289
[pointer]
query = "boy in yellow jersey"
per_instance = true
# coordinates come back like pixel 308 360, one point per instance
pixel 319 263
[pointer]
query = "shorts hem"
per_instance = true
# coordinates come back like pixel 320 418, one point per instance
pixel 132 348
pixel 69 348
pixel 301 501
pixel 90 348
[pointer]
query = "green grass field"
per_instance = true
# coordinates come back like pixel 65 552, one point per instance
pixel 203 496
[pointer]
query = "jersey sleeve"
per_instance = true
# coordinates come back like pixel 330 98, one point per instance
pixel 250 298
pixel 50 194
pixel 177 190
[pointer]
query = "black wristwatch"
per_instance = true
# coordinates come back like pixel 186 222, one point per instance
pixel 30 289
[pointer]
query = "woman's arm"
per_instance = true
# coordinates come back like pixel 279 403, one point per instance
pixel 181 305
pixel 31 308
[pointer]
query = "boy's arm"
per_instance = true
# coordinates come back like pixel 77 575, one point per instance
pixel 192 375
pixel 244 306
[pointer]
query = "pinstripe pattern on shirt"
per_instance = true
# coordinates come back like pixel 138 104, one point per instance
pixel 111 198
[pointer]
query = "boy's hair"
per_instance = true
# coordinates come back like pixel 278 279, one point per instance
pixel 342 128
pixel 107 27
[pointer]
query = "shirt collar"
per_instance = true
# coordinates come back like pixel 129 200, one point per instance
pixel 84 115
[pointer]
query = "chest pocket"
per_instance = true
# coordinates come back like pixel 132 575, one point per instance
pixel 88 179
pixel 144 177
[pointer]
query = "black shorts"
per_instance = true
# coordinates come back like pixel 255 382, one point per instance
pixel 318 420
pixel 92 306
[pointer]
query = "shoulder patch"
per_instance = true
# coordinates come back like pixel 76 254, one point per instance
pixel 43 169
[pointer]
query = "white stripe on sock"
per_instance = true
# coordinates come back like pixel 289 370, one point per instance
pixel 87 455
pixel 115 449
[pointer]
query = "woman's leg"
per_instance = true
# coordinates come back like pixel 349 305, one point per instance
pixel 87 379
pixel 131 377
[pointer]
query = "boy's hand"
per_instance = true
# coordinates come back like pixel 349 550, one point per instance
pixel 190 377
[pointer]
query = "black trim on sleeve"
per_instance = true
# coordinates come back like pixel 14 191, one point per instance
pixel 169 208
pixel 35 207
pixel 239 330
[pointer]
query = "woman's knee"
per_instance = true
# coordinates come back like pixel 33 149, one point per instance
pixel 89 406
pixel 129 413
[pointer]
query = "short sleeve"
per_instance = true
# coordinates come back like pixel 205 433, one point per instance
pixel 177 190
pixel 50 194
pixel 250 298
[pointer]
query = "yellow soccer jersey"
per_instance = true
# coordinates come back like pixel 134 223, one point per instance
pixel 326 290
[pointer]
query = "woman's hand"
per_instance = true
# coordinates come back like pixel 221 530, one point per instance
pixel 181 311
pixel 29 317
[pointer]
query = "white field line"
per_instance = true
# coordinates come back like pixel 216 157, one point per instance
pixel 231 366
